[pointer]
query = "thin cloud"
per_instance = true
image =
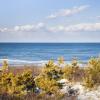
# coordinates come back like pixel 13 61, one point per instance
pixel 86 27
pixel 67 12
pixel 98 17
pixel 24 28
pixel 3 29
pixel 32 27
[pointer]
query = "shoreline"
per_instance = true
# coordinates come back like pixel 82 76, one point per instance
pixel 22 63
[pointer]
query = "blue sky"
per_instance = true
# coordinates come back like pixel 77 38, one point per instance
pixel 49 21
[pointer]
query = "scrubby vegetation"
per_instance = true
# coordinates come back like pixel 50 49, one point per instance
pixel 73 72
pixel 92 72
pixel 28 84
pixel 48 79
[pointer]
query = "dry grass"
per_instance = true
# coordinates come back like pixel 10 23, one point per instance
pixel 36 70
pixel 32 96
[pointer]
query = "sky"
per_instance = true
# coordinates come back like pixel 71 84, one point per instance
pixel 49 20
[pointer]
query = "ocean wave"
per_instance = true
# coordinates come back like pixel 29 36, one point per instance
pixel 38 63
pixel 10 61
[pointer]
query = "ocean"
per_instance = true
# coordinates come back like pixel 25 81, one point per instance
pixel 37 53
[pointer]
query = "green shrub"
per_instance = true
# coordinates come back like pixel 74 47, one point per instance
pixel 47 80
pixel 18 84
pixel 92 73
pixel 71 72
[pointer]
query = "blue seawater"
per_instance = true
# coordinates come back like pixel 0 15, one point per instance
pixel 41 52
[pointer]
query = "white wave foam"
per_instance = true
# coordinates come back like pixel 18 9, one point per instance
pixel 42 62
pixel 24 61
